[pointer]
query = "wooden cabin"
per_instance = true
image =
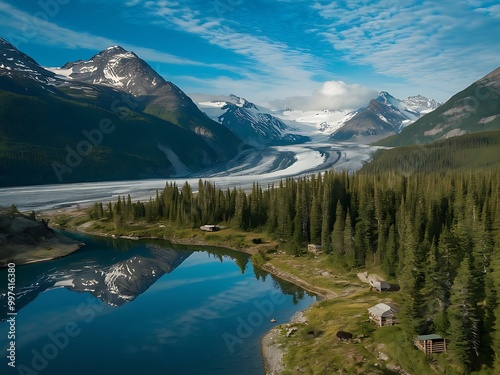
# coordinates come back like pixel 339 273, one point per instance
pixel 383 315
pixel 380 285
pixel 431 343
pixel 315 249
pixel 209 228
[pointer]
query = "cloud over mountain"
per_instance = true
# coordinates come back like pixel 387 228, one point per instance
pixel 334 95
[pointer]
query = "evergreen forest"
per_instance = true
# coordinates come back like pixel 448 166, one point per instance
pixel 436 233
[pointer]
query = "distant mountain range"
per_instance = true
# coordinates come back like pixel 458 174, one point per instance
pixel 383 116
pixel 255 125
pixel 475 109
pixel 111 117
pixel 263 127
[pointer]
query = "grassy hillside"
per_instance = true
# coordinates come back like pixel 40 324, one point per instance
pixel 472 151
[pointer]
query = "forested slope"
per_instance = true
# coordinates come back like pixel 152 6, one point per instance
pixel 467 152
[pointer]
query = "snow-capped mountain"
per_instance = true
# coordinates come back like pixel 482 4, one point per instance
pixel 158 130
pixel 114 67
pixel 420 104
pixel 383 116
pixel 16 64
pixel 255 125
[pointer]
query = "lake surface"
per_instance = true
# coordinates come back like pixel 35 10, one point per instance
pixel 144 307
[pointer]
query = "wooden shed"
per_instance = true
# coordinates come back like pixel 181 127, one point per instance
pixel 209 228
pixel 431 343
pixel 383 315
pixel 316 249
pixel 380 285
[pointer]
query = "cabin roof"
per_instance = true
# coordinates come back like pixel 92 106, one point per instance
pixel 429 337
pixel 382 310
pixel 379 282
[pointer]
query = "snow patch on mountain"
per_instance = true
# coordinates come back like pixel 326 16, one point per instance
pixel 61 73
pixel 383 116
pixel 420 104
pixel 114 67
pixel 325 121
pixel 254 124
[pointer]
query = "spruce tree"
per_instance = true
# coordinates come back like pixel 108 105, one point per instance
pixel 463 315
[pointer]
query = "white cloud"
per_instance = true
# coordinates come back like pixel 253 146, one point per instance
pixel 439 46
pixel 269 67
pixel 492 11
pixel 24 27
pixel 333 95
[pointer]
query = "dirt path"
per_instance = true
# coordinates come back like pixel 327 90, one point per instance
pixel 323 293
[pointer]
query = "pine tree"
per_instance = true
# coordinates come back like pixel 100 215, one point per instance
pixel 463 315
pixel 338 232
pixel 326 221
pixel 390 260
pixel 350 255
pixel 434 292
pixel 240 219
pixel 315 215
pixel 300 220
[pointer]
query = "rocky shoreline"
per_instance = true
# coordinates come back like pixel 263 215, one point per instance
pixel 24 239
pixel 272 353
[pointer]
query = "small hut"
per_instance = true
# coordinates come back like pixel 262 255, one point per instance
pixel 380 285
pixel 383 315
pixel 315 249
pixel 431 343
pixel 209 228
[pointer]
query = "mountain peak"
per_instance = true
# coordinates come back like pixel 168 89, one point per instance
pixel 116 48
pixel 242 102
pixel 116 51
pixel 118 68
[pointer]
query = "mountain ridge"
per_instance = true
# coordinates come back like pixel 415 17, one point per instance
pixel 474 109
pixel 383 116
pixel 155 135
pixel 255 125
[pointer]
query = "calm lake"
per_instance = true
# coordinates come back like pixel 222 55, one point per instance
pixel 143 307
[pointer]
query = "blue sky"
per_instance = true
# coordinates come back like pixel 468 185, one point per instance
pixel 274 51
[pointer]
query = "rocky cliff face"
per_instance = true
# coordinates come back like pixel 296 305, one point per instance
pixel 16 227
pixel 24 239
